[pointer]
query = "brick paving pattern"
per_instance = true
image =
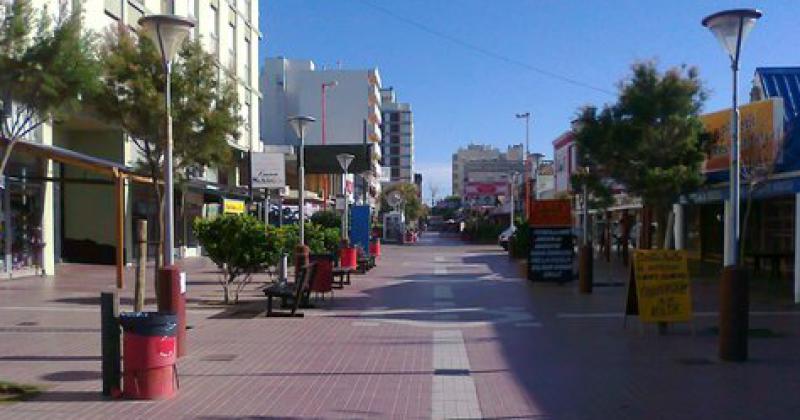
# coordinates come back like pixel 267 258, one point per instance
pixel 439 329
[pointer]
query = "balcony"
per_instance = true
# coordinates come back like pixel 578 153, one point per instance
pixel 374 114
pixel 373 132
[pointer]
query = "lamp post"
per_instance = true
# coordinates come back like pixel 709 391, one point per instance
pixel 324 100
pixel 167 33
pixel 513 179
pixel 527 117
pixel 299 124
pixel 586 256
pixel 345 159
pixel 731 27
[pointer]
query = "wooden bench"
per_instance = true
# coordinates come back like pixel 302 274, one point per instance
pixel 296 293
pixel 343 273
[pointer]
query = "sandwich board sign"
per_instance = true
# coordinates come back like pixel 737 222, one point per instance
pixel 659 288
pixel 551 254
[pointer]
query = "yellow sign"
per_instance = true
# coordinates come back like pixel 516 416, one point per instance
pixel 232 206
pixel 761 132
pixel 662 285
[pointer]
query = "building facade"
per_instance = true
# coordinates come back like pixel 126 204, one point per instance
pixel 59 212
pixel 346 105
pixel 495 161
pixel 398 135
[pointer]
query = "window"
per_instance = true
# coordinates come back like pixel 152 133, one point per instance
pixel 232 42
pixel 214 35
pixel 190 8
pixel 168 6
pixel 247 114
pixel 248 61
pixel 114 8
pixel 133 13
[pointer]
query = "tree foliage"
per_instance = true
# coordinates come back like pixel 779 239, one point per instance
pixel 649 139
pixel 240 245
pixel 327 218
pixel 47 66
pixel 205 109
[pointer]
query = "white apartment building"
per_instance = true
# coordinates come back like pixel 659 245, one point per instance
pixel 70 210
pixel 351 120
pixel 488 157
pixel 398 135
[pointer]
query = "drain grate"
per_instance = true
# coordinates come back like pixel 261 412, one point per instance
pixel 451 372
pixel 219 358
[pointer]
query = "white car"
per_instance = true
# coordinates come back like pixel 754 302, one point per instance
pixel 505 236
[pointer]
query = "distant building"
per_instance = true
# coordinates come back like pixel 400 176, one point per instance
pixel 418 183
pixel 352 117
pixel 398 137
pixel 495 162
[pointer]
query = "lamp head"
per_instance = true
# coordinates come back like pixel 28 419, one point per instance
pixel 524 115
pixel 345 159
pixel 731 27
pixel 167 33
pixel 299 123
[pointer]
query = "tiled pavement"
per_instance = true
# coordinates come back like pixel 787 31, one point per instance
pixel 438 329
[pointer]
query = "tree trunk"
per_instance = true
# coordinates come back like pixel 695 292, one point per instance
pixel 7 155
pixel 159 195
pixel 744 223
pixel 660 216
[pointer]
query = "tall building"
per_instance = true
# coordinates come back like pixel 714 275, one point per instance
pixel 351 100
pixel 67 208
pixel 398 134
pixel 491 159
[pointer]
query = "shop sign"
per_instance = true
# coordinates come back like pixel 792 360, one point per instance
pixel 660 281
pixel 551 249
pixel 232 206
pixel 760 130
pixel 268 170
pixel 486 189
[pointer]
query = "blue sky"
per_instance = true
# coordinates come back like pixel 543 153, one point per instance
pixel 461 95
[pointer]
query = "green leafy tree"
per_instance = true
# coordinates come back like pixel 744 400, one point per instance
pixel 319 239
pixel 47 65
pixel 240 245
pixel 205 109
pixel 649 140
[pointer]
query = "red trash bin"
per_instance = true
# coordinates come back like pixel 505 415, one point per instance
pixel 375 247
pixel 348 257
pixel 148 355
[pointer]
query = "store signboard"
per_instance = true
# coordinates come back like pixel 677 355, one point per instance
pixel 230 206
pixel 268 170
pixel 761 134
pixel 483 189
pixel 551 254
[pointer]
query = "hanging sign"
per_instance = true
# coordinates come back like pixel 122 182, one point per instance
pixel 232 206
pixel 659 290
pixel 268 170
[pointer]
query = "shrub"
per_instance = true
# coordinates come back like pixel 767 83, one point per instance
pixel 239 245
pixel 327 219
pixel 520 243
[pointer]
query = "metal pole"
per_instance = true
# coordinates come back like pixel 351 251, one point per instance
pixel 141 266
pixel 585 209
pixel 169 240
pixel 733 228
pixel 345 217
pixel 302 189
pixel 527 134
pixel 511 217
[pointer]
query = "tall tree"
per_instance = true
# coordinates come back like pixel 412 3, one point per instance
pixel 649 141
pixel 47 65
pixel 205 109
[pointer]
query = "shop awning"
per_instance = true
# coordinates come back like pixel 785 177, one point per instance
pixel 115 170
pixel 322 159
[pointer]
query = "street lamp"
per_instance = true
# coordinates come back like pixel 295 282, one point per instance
pixel 513 179
pixel 731 27
pixel 345 159
pixel 527 116
pixel 299 124
pixel 167 33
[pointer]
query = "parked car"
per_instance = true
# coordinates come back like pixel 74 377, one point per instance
pixel 505 237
